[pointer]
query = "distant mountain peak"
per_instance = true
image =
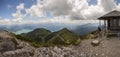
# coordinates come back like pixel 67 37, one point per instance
pixel 37 34
pixel 40 29
pixel 64 29
pixel 64 36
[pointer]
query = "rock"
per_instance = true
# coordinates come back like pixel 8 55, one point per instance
pixel 102 54
pixel 56 52
pixel 96 54
pixel 95 42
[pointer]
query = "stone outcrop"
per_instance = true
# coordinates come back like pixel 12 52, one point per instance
pixel 8 48
pixel 55 52
pixel 25 51
pixel 6 43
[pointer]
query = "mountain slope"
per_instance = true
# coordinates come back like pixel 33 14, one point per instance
pixel 86 28
pixel 6 42
pixel 63 36
pixel 37 34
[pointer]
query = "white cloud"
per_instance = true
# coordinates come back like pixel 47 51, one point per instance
pixel 118 7
pixel 55 20
pixel 35 11
pixel 58 7
pixel 75 10
pixel 84 11
pixel 55 7
pixel 20 6
pixel 108 5
pixel 18 15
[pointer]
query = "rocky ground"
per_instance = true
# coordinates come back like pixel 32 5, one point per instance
pixel 105 48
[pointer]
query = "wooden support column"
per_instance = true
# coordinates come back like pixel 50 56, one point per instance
pixel 105 27
pixel 99 23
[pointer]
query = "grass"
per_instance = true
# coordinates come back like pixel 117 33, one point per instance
pixel 32 42
pixel 23 38
pixel 67 40
pixel 14 40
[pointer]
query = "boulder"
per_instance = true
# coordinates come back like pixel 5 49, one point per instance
pixel 95 42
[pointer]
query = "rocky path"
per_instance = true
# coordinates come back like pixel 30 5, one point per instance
pixel 107 48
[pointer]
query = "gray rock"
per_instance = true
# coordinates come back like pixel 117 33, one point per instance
pixel 95 42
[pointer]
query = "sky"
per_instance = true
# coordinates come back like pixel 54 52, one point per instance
pixel 65 12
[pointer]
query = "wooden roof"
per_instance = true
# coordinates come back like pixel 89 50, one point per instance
pixel 110 15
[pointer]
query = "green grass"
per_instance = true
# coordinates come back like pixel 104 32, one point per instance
pixel 14 40
pixel 32 42
pixel 60 38
pixel 23 38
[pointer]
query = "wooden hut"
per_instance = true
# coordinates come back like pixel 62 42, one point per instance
pixel 111 22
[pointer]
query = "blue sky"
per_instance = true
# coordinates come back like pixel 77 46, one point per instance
pixel 92 2
pixel 54 12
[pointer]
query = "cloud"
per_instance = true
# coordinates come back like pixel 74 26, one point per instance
pixel 84 11
pixel 18 15
pixel 20 6
pixel 108 5
pixel 54 20
pixel 72 10
pixel 35 11
pixel 55 7
pixel 58 7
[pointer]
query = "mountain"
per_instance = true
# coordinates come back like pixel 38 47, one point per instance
pixel 76 28
pixel 85 29
pixel 62 37
pixel 37 34
pixel 10 46
pixel 6 42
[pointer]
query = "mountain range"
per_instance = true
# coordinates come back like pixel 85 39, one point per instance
pixel 79 29
pixel 85 29
pixel 61 37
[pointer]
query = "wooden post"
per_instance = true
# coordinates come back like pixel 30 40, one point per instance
pixel 105 27
pixel 101 27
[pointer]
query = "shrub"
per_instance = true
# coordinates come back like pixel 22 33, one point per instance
pixel 23 38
